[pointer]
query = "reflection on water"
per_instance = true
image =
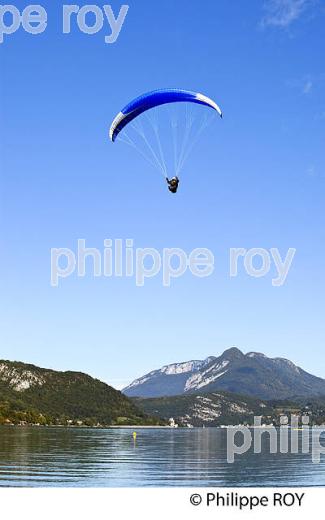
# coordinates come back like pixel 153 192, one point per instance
pixel 42 457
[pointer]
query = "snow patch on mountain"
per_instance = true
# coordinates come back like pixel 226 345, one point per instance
pixel 206 377
pixel 181 368
pixel 187 367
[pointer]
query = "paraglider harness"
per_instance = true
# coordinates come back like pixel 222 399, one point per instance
pixel 173 184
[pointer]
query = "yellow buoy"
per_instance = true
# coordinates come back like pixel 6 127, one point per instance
pixel 134 436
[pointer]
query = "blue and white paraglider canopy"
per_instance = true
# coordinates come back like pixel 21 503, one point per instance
pixel 154 99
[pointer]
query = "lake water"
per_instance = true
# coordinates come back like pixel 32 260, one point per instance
pixel 41 457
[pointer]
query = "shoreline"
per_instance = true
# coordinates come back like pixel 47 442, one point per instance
pixel 143 427
pixel 74 427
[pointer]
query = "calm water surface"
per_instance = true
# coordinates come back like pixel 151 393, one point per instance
pixel 42 457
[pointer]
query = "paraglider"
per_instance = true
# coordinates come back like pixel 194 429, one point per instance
pixel 184 137
pixel 173 184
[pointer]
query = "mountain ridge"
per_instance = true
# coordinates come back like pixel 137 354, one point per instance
pixel 253 374
pixel 35 395
pixel 224 408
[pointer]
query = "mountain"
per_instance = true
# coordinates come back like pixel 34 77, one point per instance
pixel 169 380
pixel 214 409
pixel 252 374
pixel 29 394
pixel 225 408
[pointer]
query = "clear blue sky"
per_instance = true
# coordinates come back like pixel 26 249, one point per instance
pixel 257 180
